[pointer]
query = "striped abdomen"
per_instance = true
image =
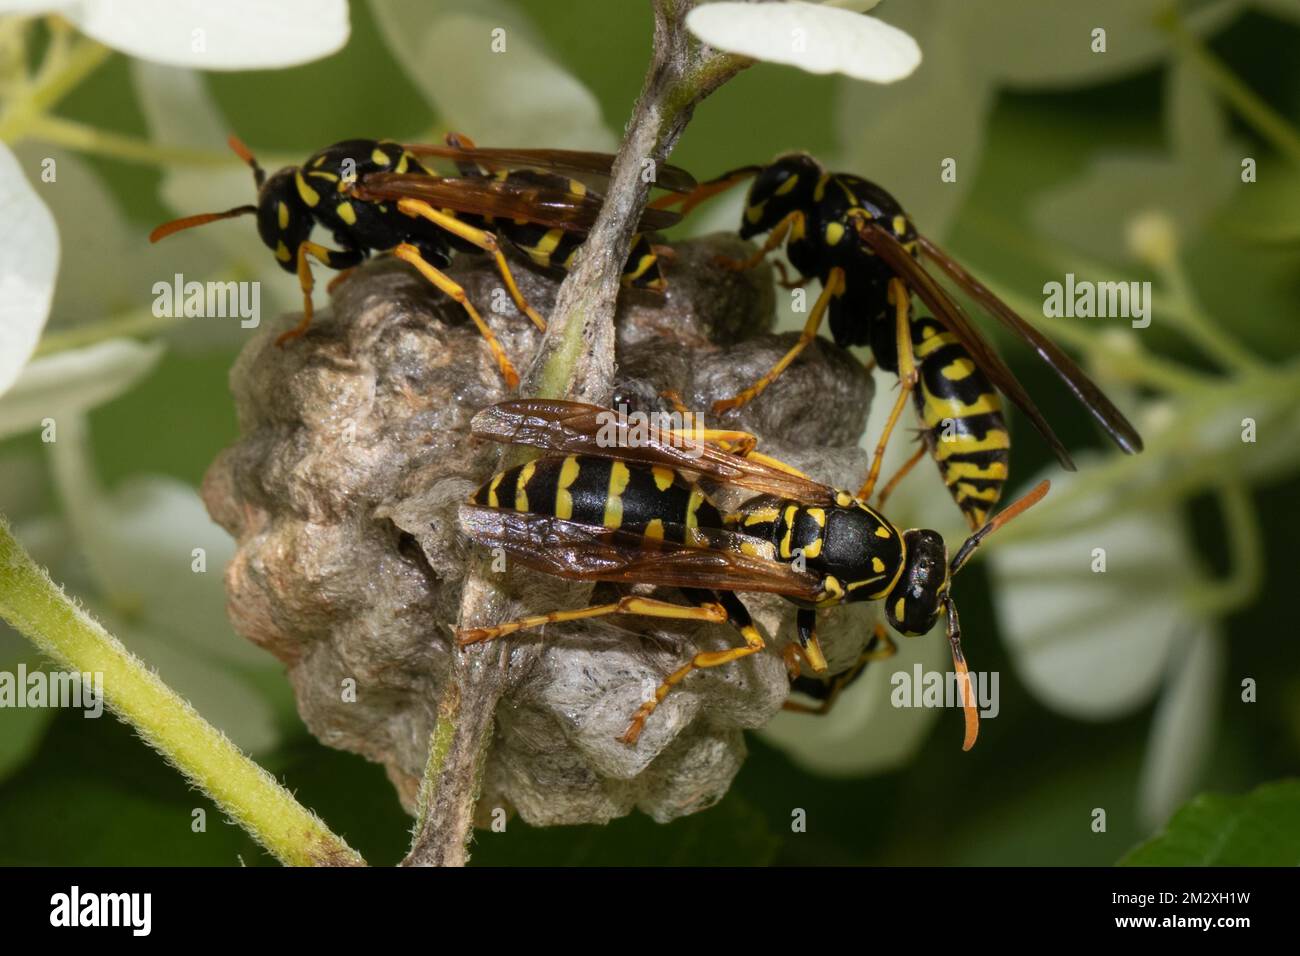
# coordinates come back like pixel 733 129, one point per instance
pixel 962 414
pixel 644 499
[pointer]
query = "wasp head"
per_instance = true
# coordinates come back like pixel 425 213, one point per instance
pixel 914 604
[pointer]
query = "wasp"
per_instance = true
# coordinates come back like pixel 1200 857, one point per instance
pixel 379 196
pixel 858 242
pixel 604 505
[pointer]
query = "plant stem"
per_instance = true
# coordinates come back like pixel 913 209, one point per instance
pixel 53 83
pixel 1246 549
pixel 37 607
pixel 90 139
pixel 1267 122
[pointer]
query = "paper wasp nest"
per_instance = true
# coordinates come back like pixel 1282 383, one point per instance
pixel 343 495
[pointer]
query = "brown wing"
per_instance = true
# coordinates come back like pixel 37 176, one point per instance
pixel 567 161
pixel 580 552
pixel 1085 389
pixel 573 428
pixel 555 208
pixel 947 311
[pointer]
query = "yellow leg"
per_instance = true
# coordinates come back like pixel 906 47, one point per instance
pixel 648 607
pixel 899 476
pixel 307 283
pixel 881 648
pixel 753 644
pixel 907 377
pixel 834 286
pixel 408 253
pixel 774 240
pixel 484 240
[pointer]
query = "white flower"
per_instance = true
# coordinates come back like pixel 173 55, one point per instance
pixel 207 34
pixel 818 38
pixel 29 263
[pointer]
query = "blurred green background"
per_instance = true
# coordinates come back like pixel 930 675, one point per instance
pixel 91 793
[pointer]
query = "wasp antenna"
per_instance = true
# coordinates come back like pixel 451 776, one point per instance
pixel 246 154
pixel 969 709
pixel 1024 503
pixel 202 219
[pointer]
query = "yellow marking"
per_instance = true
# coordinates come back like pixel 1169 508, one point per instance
pixel 995 439
pixel 900 609
pixel 692 505
pixel 814 549
pixel 932 341
pixel 325 175
pixel 379 157
pixel 663 477
pixel 282 213
pixel 762 516
pixel 309 195
pixel 754 212
pixel 563 499
pixel 900 225
pixel 492 490
pixel 790 512
pixel 818 515
pixel 883 532
pixel 966 492
pixel 655 529
pixel 541 251
pixel 843 499
pixel 834 232
pixel 834 591
pixel 938 409
pixel 347 213
pixel 319 160
pixel 521 486
pixel 877 565
pixel 853 586
pixel 956 470
pixel 642 266
pixel 577 188
pixel 788 185
pixel 568 260
pixel 619 476
pixel 403 162
pixel 282 252
pixel 819 191
pixel 958 369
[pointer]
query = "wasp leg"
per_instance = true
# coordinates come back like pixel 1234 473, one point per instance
pixel 879 648
pixel 339 279
pixel 335 259
pixel 899 475
pixel 703 191
pixel 785 282
pixel 774 240
pixel 408 253
pixel 907 379
pixel 634 604
pixel 739 618
pixel 484 240
pixel 834 287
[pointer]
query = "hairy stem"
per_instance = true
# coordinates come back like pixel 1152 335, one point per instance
pixel 36 607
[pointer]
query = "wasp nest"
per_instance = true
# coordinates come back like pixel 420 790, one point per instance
pixel 343 494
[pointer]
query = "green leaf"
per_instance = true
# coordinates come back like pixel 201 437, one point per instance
pixel 1260 828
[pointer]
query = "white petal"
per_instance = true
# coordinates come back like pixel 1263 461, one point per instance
pixel 864 733
pixel 74 381
pixel 27 268
pixel 815 38
pixel 520 95
pixel 1182 731
pixel 1093 644
pixel 218 34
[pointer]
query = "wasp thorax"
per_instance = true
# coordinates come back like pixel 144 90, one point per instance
pixel 780 188
pixel 913 606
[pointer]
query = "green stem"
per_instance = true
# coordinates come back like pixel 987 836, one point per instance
pixel 90 139
pixel 1267 122
pixel 37 607
pixel 1245 546
pixel 52 84
pixel 139 323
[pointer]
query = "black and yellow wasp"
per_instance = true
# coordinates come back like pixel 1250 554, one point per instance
pixel 605 505
pixel 856 240
pixel 378 196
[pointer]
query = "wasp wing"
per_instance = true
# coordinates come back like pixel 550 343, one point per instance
pixel 580 552
pixel 1085 389
pixel 566 161
pixel 552 207
pixel 574 428
pixel 947 311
